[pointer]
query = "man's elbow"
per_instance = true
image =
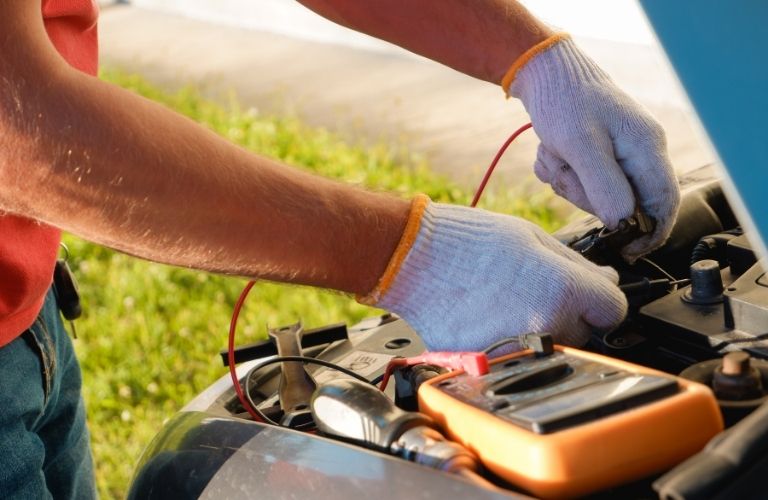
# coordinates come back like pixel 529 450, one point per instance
pixel 23 147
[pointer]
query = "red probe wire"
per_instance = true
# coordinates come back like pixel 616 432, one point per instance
pixel 249 285
pixel 474 363
pixel 487 176
pixel 231 352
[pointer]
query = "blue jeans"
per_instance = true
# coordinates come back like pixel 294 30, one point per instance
pixel 44 445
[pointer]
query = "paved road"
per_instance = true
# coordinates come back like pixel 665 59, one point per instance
pixel 456 121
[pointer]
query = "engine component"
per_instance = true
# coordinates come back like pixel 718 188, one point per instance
pixel 715 247
pixel 747 302
pixel 732 465
pixel 736 379
pixel 740 255
pixel 706 283
pixel 296 385
pixel 310 338
pixel 358 412
pixel 739 383
pixel 407 383
pixel 548 424
pixel 708 323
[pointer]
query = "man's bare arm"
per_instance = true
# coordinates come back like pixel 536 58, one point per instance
pixel 481 38
pixel 112 167
pixel 599 149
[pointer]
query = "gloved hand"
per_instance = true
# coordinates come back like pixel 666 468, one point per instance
pixel 599 148
pixel 464 278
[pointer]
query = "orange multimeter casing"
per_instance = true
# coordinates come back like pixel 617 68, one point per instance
pixel 573 422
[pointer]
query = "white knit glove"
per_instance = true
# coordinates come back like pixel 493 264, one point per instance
pixel 464 278
pixel 599 148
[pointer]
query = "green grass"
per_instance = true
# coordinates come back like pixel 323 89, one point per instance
pixel 150 335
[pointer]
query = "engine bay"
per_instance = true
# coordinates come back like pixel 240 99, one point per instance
pixel 698 317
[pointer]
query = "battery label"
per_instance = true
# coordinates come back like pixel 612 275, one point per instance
pixel 361 362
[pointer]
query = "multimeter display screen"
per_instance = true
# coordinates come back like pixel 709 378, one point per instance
pixel 546 395
pixel 592 402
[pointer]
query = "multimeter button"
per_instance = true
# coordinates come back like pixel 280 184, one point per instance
pixel 529 380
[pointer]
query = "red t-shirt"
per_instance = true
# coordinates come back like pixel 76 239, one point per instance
pixel 28 248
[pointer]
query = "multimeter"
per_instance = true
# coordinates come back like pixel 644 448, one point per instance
pixel 572 422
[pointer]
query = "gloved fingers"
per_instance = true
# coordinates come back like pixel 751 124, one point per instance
pixel 544 164
pixel 607 188
pixel 590 297
pixel 575 333
pixel 607 272
pixel 647 165
pixel 568 185
pixel 557 173
pixel 605 304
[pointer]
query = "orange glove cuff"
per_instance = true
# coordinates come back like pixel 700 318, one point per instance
pixel 529 54
pixel 418 205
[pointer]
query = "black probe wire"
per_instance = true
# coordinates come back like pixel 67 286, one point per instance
pixel 520 340
pixel 725 343
pixel 658 268
pixel 501 343
pixel 302 359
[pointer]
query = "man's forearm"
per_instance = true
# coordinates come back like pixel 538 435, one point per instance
pixel 117 169
pixel 481 38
